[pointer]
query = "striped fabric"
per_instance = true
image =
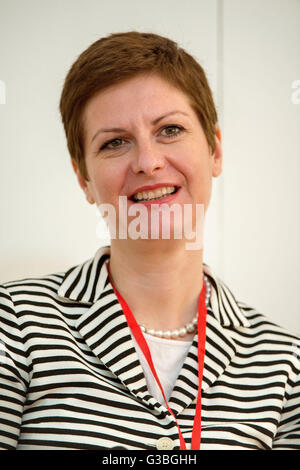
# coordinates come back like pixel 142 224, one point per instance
pixel 70 377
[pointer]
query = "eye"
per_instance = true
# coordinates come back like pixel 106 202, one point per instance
pixel 112 144
pixel 172 130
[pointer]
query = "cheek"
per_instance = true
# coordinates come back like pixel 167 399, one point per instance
pixel 197 168
pixel 107 184
pixel 198 176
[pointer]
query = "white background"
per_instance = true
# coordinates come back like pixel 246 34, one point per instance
pixel 251 53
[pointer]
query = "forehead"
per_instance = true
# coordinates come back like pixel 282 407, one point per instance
pixel 146 96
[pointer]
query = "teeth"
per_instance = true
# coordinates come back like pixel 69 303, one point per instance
pixel 148 195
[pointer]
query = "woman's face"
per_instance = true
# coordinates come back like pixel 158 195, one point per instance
pixel 144 132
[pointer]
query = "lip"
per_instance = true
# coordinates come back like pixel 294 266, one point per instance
pixel 163 200
pixel 153 186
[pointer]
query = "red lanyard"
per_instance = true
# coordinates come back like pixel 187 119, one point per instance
pixel 139 337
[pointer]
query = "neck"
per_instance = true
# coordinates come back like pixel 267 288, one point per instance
pixel 160 286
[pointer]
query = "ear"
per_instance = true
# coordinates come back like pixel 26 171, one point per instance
pixel 218 154
pixel 83 183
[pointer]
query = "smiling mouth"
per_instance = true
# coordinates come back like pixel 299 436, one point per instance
pixel 139 197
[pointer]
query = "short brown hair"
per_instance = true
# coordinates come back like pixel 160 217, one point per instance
pixel 118 57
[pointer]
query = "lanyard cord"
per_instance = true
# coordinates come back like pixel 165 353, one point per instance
pixel 139 337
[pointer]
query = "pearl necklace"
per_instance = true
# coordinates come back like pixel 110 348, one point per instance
pixel 187 328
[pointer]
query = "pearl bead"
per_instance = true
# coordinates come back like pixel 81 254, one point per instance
pixel 190 327
pixel 167 334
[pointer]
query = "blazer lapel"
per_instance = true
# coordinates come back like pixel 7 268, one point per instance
pixel 104 328
pixel 103 324
pixel 219 351
pixel 223 316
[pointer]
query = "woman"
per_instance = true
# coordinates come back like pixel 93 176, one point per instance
pixel 143 346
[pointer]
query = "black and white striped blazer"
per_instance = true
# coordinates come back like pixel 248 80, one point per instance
pixel 70 377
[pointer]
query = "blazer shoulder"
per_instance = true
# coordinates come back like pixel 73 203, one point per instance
pixel 48 282
pixel 262 324
pixel 29 296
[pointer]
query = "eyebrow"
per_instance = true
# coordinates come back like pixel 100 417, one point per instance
pixel 153 123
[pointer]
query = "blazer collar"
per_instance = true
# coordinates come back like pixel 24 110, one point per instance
pixel 85 283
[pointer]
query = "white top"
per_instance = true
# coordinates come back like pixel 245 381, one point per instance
pixel 168 357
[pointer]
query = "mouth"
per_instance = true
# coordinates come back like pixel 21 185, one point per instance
pixel 164 194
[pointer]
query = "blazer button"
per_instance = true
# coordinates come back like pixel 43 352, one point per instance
pixel 164 443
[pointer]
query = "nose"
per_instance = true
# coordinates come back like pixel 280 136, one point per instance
pixel 148 157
